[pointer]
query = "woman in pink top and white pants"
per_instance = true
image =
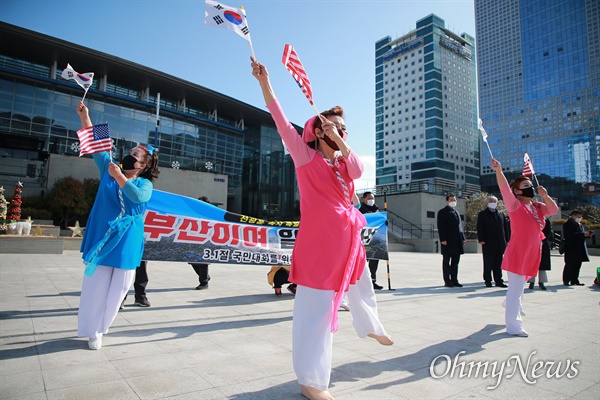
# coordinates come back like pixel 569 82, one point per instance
pixel 329 257
pixel 524 251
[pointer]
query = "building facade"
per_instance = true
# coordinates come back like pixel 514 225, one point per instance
pixel 426 111
pixel 200 131
pixel 539 93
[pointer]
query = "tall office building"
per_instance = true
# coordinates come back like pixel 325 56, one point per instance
pixel 426 111
pixel 539 92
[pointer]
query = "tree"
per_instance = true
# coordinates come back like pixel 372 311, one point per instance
pixel 474 204
pixel 591 213
pixel 14 208
pixel 67 198
pixel 3 209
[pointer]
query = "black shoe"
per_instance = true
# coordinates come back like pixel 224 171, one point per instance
pixel 488 284
pixel 456 284
pixel 502 284
pixel 143 302
pixel 577 283
pixel 566 284
pixel 202 286
pixel 278 292
pixel 292 288
pixel 449 285
pixel 542 286
pixel 376 286
pixel 531 285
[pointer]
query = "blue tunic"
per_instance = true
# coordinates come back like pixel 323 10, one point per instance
pixel 108 240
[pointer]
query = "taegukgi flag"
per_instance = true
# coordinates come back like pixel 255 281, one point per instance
pixel 226 17
pixel 84 80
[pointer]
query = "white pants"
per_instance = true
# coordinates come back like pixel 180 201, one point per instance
pixel 514 303
pixel 101 296
pixel 312 338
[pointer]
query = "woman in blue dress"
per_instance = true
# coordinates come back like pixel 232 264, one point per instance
pixel 113 243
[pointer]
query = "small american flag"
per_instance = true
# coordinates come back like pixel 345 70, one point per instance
pixel 292 63
pixel 527 166
pixel 94 139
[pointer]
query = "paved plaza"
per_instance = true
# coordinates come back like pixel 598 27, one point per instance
pixel 233 341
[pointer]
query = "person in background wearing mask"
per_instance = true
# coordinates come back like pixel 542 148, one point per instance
pixel 452 239
pixel 493 232
pixel 524 251
pixel 574 235
pixel 545 263
pixel 368 206
pixel 113 243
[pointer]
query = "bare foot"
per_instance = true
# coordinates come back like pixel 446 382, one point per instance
pixel 315 394
pixel 384 339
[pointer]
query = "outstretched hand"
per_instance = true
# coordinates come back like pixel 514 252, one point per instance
pixel 259 71
pixel 82 110
pixel 496 166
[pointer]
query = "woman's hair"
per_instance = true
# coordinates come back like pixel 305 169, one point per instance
pixel 517 182
pixel 337 110
pixel 151 172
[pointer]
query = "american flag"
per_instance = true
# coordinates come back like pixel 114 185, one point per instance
pixel 94 139
pixel 292 63
pixel 527 166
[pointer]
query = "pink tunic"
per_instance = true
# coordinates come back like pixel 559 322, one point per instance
pixel 328 254
pixel 524 251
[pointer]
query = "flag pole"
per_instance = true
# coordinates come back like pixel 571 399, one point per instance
pixel 249 38
pixel 488 146
pixel 84 94
pixel 389 279
pixel 157 120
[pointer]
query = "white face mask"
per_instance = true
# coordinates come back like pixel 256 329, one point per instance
pixel 492 205
pixel 371 203
pixel 578 220
pixel 452 204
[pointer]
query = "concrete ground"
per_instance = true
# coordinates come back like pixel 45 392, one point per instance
pixel 233 341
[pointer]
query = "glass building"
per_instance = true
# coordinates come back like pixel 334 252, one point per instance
pixel 426 111
pixel 539 93
pixel 200 130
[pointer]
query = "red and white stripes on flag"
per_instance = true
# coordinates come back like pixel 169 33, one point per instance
pixel 292 63
pixel 527 166
pixel 94 139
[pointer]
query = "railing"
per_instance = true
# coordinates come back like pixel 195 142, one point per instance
pixel 404 229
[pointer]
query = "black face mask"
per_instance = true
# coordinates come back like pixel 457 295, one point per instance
pixel 128 162
pixel 527 192
pixel 330 143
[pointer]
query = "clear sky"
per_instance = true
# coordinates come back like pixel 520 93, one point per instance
pixel 335 41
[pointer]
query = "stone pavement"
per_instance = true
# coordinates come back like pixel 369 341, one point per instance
pixel 233 341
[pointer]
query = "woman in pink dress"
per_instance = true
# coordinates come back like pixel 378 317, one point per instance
pixel 328 257
pixel 524 251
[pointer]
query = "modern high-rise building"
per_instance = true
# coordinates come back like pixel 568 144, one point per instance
pixel 426 111
pixel 209 144
pixel 539 93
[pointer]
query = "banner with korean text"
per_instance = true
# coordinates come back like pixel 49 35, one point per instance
pixel 179 228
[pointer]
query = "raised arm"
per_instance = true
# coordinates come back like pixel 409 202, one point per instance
pixel 262 75
pixel 84 115
pixel 509 198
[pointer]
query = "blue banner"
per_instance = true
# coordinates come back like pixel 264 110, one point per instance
pixel 179 228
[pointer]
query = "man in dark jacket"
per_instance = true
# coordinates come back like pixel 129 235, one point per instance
pixel 576 252
pixel 452 239
pixel 368 206
pixel 493 233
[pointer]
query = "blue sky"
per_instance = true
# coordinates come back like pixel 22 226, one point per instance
pixel 335 41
